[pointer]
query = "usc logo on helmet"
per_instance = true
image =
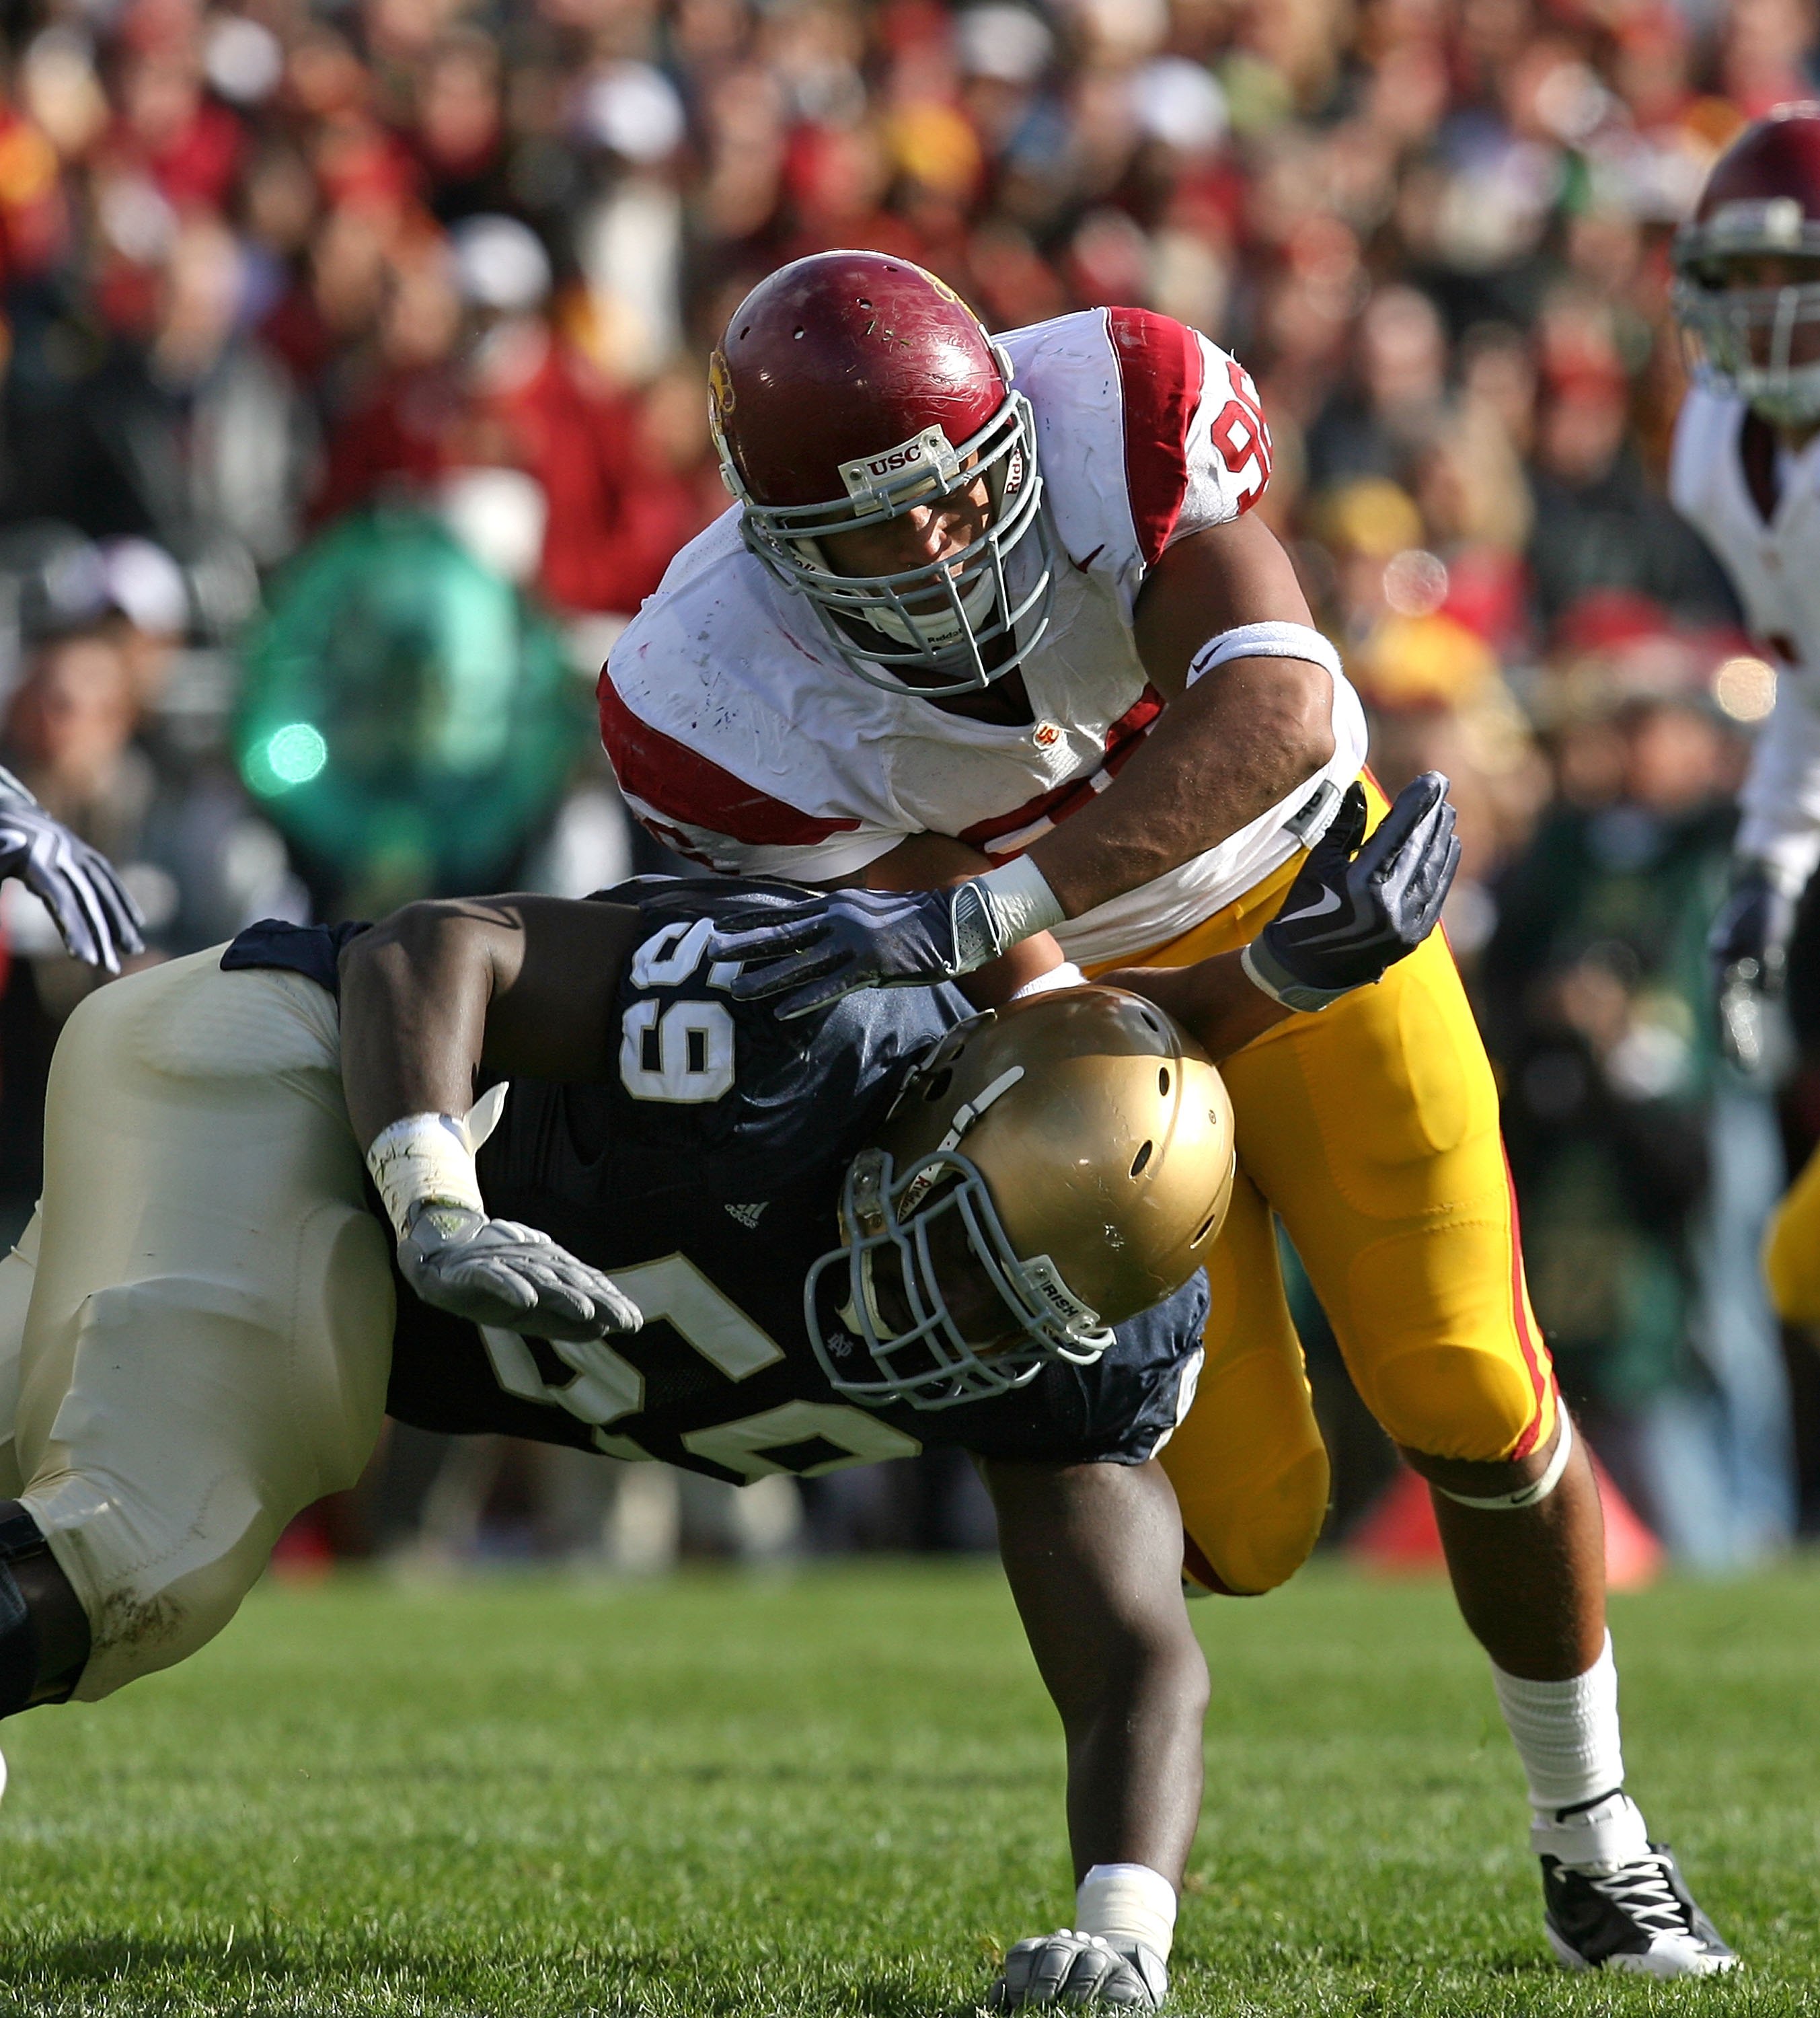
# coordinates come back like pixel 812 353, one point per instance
pixel 720 384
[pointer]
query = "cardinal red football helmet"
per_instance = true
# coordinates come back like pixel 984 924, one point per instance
pixel 1762 200
pixel 850 388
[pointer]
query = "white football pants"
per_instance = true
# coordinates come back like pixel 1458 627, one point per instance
pixel 196 1328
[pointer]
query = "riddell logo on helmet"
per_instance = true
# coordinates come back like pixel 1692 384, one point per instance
pixel 931 451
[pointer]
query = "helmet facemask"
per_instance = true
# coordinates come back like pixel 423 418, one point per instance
pixel 888 1218
pixel 1760 342
pixel 930 630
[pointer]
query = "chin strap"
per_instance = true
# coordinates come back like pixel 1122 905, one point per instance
pixel 1537 1490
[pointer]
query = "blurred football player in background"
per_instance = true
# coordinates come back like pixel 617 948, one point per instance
pixel 990 625
pixel 1747 473
pixel 785 1246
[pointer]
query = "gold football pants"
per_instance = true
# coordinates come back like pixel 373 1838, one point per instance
pixel 1371 1129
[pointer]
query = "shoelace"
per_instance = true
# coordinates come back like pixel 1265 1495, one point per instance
pixel 1641 1890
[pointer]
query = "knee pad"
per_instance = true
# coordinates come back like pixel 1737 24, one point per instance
pixel 1449 1401
pixel 1246 1543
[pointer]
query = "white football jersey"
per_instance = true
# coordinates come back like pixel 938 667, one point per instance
pixel 741 741
pixel 1774 565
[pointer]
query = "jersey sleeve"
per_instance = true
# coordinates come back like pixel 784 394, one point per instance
pixel 1196 445
pixel 706 814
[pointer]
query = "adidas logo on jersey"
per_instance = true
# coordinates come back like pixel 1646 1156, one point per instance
pixel 747 1215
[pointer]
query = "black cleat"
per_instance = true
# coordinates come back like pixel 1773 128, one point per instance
pixel 1638 1916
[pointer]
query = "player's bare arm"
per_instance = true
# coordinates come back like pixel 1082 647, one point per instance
pixel 440 990
pixel 1230 745
pixel 430 999
pixel 1357 906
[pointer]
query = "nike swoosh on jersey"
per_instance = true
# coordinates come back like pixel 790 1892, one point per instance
pixel 1330 902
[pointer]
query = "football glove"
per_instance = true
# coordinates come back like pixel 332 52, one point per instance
pixel 815 952
pixel 494 1271
pixel 1355 910
pixel 1064 1968
pixel 1749 948
pixel 95 917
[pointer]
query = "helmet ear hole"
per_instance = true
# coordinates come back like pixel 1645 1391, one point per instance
pixel 1142 1157
pixel 940 1084
pixel 1205 1227
pixel 1163 1081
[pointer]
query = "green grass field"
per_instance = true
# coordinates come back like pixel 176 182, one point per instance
pixel 840 1792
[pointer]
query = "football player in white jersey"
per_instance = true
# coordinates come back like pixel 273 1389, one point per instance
pixel 1747 472
pixel 989 632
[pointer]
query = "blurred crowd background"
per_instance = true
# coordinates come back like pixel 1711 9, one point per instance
pixel 354 394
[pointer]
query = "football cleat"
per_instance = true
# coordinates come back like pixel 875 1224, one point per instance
pixel 1632 1913
pixel 1065 1968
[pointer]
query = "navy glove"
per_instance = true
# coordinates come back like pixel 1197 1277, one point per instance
pixel 1749 948
pixel 1355 910
pixel 826 947
pixel 96 918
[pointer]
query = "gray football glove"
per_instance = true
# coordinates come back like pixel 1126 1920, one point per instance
pixel 1063 1968
pixel 94 915
pixel 494 1271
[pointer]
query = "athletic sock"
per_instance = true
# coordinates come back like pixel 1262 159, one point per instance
pixel 1567 1735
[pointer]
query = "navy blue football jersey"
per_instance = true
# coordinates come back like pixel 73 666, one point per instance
pixel 704 1176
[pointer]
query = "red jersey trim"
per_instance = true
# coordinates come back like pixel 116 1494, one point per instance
pixel 1162 373
pixel 1048 807
pixel 685 786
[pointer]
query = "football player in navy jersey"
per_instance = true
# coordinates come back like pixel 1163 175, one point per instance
pixel 670 1224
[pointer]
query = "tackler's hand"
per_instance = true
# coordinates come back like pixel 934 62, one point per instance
pixel 98 922
pixel 1360 905
pixel 495 1271
pixel 810 954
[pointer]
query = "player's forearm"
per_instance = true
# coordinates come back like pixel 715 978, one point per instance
pixel 1093 1553
pixel 1215 1001
pixel 1236 743
pixel 415 992
pixel 934 861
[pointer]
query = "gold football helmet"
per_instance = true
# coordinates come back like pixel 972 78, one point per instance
pixel 1078 1146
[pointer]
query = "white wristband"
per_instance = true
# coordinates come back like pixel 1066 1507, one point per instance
pixel 1128 1902
pixel 1067 975
pixel 1020 899
pixel 1265 641
pixel 431 1157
